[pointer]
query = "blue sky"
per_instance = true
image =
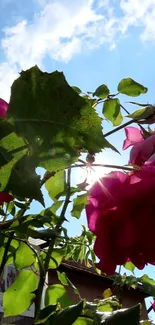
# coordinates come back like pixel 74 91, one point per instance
pixel 92 42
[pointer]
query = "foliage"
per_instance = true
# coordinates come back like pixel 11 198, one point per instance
pixel 50 124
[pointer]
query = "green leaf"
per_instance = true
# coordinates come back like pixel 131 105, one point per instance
pixel 129 266
pixel 77 89
pixel 12 149
pixel 142 113
pixel 102 91
pixel 57 257
pixel 78 205
pixel 57 293
pixel 108 304
pixel 83 321
pixel 69 315
pixel 55 121
pixel 24 182
pixel 148 284
pixel 111 111
pixel 13 246
pixel 63 278
pixel 65 281
pixel 19 296
pixel 56 205
pixel 120 317
pixel 131 88
pixel 17 172
pixel 24 256
pixel 56 185
pixel 45 313
pixel 145 322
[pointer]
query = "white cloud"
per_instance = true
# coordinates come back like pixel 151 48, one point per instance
pixel 8 73
pixel 141 14
pixel 63 28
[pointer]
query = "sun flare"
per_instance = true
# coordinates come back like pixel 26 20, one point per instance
pixel 90 174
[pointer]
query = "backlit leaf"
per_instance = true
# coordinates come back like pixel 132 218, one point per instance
pixel 131 88
pixel 56 185
pixel 53 118
pixel 102 91
pixel 78 205
pixel 111 111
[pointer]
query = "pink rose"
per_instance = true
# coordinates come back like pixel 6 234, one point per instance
pixel 120 212
pixel 5 197
pixel 143 149
pixel 3 108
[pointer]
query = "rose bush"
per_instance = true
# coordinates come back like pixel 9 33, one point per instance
pixel 120 212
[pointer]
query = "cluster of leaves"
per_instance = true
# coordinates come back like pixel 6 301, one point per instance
pixel 49 124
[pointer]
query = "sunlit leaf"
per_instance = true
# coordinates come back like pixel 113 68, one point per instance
pixel 56 185
pixel 111 111
pixel 57 293
pixel 19 296
pixel 129 266
pixel 24 256
pixel 12 248
pixel 102 91
pixel 143 113
pixel 131 88
pixel 78 205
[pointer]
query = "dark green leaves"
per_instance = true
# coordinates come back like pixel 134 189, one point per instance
pixel 77 89
pixel 131 88
pixel 69 315
pixel 45 313
pixel 143 113
pixel 57 293
pixel 84 321
pixel 120 317
pixel 102 91
pixel 24 182
pixel 148 284
pixel 53 118
pixel 19 295
pixel 24 256
pixel 78 205
pixel 56 185
pixel 111 111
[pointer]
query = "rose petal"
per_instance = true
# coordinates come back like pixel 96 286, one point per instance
pixel 3 107
pixel 133 136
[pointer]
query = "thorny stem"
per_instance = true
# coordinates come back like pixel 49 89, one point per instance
pixel 107 166
pixel 4 258
pixel 119 128
pixel 51 245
